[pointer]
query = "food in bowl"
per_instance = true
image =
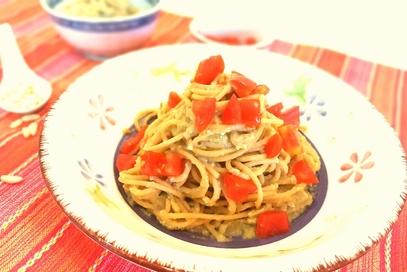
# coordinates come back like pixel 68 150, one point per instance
pixel 219 160
pixel 97 8
pixel 104 37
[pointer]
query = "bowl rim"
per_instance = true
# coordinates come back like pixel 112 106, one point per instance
pixel 198 24
pixel 154 9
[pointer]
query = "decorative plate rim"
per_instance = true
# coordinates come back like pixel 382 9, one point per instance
pixel 155 263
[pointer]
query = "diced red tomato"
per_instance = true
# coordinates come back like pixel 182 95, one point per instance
pixel 209 69
pixel 232 39
pixel 204 111
pixel 261 89
pixel 237 188
pixel 251 116
pixel 152 163
pixel 131 144
pixel 233 112
pixel 173 99
pixel 276 109
pixel 125 162
pixel 291 116
pixel 272 223
pixel 157 164
pixel 250 40
pixel 174 165
pixel 291 143
pixel 273 146
pixel 242 85
pixel 303 173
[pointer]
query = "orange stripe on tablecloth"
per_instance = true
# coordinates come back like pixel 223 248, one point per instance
pixel 332 62
pixel 304 53
pixel 23 237
pixel 384 88
pixel 21 13
pixel 10 9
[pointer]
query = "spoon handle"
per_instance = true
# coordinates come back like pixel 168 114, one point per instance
pixel 10 55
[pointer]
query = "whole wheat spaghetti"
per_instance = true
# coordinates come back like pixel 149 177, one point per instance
pixel 196 199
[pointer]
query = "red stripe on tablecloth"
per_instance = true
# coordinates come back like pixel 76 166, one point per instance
pixel 59 65
pixel 77 251
pixel 11 153
pixel 28 235
pixel 15 196
pixel 369 263
pixel 384 91
pixel 22 211
pixel 357 74
pixel 32 25
pixel 281 47
pixel 112 262
pixel 398 244
pixel 3 2
pixel 331 61
pixel 402 97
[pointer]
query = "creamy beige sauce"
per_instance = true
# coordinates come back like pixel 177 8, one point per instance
pixel 97 8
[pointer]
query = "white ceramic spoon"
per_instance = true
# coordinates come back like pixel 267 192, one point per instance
pixel 21 90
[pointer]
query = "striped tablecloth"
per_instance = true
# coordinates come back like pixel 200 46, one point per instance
pixel 35 235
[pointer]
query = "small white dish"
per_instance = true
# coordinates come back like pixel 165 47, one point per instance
pixel 21 90
pixel 230 32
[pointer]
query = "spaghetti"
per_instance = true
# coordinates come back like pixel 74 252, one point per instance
pixel 198 198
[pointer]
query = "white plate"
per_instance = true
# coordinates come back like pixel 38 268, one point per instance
pixel 366 174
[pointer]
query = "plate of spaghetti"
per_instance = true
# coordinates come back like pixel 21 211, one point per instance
pixel 208 158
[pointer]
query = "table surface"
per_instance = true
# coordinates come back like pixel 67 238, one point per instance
pixel 35 235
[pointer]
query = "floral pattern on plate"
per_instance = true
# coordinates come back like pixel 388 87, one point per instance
pixel 341 123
